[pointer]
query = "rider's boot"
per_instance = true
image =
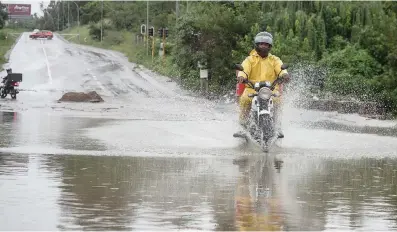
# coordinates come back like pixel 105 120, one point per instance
pixel 280 134
pixel 242 133
pixel 277 116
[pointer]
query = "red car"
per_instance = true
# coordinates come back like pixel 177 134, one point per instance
pixel 41 34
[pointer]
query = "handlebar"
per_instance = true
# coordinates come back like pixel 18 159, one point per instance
pixel 279 80
pixel 251 85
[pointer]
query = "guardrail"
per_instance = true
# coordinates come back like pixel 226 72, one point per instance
pixel 68 37
pixel 14 35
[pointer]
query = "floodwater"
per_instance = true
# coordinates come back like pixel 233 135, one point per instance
pixel 83 192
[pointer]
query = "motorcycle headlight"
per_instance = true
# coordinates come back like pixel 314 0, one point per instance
pixel 264 93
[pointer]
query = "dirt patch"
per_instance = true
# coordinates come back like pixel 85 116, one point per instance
pixel 92 96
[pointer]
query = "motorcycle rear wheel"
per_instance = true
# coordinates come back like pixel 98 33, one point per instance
pixel 2 94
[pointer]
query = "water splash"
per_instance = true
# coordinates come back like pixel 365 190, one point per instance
pixel 306 82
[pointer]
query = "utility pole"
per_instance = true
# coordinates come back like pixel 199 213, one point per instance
pixel 63 15
pixel 58 6
pixel 78 19
pixel 68 15
pixel 102 22
pixel 177 9
pixel 147 27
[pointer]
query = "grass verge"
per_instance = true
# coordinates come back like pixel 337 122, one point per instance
pixel 7 41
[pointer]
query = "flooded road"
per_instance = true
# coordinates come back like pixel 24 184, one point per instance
pixel 153 157
pixel 74 192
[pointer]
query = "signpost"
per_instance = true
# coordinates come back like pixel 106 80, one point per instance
pixel 163 33
pixel 203 77
pixel 19 10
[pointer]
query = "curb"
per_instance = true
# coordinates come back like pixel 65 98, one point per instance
pixel 8 53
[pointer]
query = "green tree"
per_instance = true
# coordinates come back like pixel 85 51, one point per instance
pixel 3 15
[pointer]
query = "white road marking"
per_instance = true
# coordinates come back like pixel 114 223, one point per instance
pixel 100 83
pixel 48 64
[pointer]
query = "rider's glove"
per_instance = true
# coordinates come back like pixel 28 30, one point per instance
pixel 240 79
pixel 285 78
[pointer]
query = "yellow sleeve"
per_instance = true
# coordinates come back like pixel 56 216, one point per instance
pixel 247 68
pixel 277 67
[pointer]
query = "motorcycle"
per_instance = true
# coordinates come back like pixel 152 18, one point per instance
pixel 262 126
pixel 11 85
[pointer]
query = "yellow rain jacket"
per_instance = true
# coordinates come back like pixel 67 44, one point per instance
pixel 258 69
pixel 262 69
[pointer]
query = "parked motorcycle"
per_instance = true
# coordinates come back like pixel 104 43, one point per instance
pixel 10 85
pixel 262 126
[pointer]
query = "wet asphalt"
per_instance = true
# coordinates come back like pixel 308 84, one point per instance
pixel 155 157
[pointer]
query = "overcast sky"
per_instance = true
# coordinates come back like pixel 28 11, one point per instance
pixel 35 4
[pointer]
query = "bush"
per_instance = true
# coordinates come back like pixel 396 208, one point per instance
pixel 95 31
pixel 114 38
pixel 3 35
pixel 351 72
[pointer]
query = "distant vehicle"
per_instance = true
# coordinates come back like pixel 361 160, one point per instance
pixel 41 35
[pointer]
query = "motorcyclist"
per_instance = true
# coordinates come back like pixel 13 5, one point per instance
pixel 261 65
pixel 9 71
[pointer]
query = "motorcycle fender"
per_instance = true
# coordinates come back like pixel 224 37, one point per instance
pixel 264 112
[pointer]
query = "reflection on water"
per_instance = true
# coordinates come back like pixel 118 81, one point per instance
pixel 257 207
pixel 254 192
pixel 351 194
pixel 17 165
pixel 8 123
pixel 27 194
pixel 124 193
pixel 37 130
